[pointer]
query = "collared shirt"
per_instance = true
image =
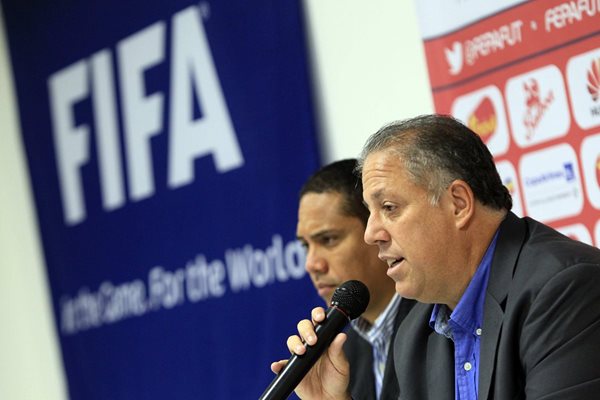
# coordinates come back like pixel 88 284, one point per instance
pixel 379 335
pixel 463 327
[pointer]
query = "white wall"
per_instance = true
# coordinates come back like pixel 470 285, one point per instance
pixel 369 69
pixel 30 366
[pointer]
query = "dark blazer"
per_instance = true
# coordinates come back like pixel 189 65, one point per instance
pixel 360 355
pixel 541 324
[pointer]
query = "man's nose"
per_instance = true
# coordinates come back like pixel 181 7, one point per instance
pixel 375 232
pixel 315 263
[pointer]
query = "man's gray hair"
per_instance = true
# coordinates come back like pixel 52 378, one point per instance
pixel 436 150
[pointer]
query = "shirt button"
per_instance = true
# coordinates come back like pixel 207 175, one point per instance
pixel 467 366
pixel 478 331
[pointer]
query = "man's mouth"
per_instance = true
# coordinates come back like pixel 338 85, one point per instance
pixel 326 285
pixel 393 262
pixel 324 289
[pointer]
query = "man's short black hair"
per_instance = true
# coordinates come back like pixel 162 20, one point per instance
pixel 340 177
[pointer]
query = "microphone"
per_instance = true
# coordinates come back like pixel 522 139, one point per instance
pixel 348 302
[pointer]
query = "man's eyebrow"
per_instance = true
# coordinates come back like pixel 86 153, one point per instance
pixel 376 196
pixel 317 234
pixel 324 232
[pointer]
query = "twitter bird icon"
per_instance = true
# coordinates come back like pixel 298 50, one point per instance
pixel 454 57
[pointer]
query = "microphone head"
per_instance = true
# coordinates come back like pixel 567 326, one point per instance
pixel 352 297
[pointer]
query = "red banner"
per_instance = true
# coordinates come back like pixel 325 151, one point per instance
pixel 527 79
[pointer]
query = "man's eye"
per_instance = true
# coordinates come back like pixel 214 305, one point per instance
pixel 388 207
pixel 328 240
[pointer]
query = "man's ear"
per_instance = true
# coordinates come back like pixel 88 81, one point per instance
pixel 462 202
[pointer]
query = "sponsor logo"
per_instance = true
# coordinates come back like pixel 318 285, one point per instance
pixel 590 163
pixel 454 57
pixel 583 75
pixel 567 174
pixel 483 120
pixel 509 179
pixel 551 185
pixel 593 79
pixel 535 105
pixel 483 112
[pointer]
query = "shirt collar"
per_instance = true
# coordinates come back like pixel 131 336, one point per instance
pixel 468 314
pixel 382 326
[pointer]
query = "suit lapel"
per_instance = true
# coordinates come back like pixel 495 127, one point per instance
pixel 390 380
pixel 508 247
pixel 423 359
pixel 403 308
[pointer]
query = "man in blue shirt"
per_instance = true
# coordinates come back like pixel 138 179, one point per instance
pixel 331 226
pixel 510 307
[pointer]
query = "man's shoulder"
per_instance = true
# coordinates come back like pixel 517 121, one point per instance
pixel 554 252
pixel 541 251
pixel 537 265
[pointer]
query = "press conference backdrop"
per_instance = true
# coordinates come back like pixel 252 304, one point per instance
pixel 354 96
pixel 166 144
pixel 468 90
pixel 525 75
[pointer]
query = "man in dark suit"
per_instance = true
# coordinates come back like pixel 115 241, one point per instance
pixel 331 226
pixel 513 307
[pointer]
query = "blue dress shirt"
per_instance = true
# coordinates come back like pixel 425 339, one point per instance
pixel 463 327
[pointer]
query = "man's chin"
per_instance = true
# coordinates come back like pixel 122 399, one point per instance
pixel 326 293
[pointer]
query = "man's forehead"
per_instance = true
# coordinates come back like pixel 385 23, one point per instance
pixel 380 161
pixel 373 196
pixel 320 210
pixel 375 172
